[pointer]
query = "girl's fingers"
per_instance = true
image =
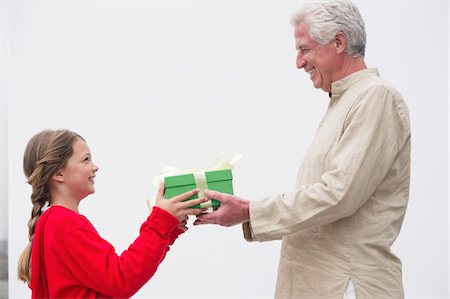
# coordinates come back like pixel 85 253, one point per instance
pixel 161 191
pixel 192 211
pixel 185 196
pixel 193 202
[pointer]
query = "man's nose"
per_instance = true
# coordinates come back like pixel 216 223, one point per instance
pixel 300 61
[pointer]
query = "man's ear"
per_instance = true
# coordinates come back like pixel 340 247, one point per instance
pixel 340 42
pixel 58 176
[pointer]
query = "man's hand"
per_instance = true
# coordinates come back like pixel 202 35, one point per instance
pixel 233 210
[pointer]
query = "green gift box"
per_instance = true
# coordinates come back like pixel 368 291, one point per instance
pixel 219 180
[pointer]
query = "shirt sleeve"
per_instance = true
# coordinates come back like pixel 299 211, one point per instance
pixel 375 130
pixel 94 262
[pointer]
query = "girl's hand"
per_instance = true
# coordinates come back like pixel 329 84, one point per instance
pixel 183 224
pixel 180 229
pixel 177 206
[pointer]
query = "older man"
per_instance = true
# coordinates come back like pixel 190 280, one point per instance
pixel 350 198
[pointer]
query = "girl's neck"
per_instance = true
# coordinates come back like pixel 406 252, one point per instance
pixel 68 204
pixel 62 197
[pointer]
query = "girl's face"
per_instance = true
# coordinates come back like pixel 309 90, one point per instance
pixel 79 172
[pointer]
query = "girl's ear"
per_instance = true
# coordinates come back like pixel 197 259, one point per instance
pixel 58 176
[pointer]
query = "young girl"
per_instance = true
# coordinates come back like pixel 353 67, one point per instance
pixel 66 257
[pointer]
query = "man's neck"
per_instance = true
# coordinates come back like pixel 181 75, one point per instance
pixel 351 65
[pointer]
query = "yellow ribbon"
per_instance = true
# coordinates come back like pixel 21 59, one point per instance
pixel 224 161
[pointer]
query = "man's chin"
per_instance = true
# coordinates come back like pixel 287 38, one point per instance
pixel 318 86
pixel 324 88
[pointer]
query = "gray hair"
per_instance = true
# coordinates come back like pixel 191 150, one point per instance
pixel 326 18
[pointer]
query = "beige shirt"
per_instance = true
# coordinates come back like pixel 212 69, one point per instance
pixel 349 200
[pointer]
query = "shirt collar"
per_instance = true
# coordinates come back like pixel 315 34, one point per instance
pixel 340 86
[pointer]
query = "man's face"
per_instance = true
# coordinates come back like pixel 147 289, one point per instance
pixel 319 61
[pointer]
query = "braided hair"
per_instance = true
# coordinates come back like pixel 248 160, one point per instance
pixel 45 154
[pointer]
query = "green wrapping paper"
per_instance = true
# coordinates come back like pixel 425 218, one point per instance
pixel 218 180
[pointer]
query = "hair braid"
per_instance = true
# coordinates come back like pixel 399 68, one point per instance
pixel 46 153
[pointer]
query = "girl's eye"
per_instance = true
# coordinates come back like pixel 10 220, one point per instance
pixel 87 159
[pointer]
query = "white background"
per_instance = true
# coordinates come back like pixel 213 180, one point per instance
pixel 157 83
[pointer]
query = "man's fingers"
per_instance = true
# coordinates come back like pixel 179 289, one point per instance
pixel 205 219
pixel 199 222
pixel 196 211
pixel 216 195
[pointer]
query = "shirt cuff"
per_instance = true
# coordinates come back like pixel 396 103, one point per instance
pixel 248 232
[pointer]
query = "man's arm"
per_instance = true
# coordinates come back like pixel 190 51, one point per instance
pixel 372 139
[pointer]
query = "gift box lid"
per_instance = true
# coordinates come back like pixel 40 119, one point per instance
pixel 188 179
pixel 219 175
pixel 179 180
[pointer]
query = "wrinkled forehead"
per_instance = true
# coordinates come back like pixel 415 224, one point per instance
pixel 302 36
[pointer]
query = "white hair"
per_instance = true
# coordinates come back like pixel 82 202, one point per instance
pixel 326 18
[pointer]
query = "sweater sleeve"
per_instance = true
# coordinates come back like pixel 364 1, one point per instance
pixel 94 262
pixel 174 235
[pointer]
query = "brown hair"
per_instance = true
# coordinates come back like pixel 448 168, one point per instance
pixel 46 153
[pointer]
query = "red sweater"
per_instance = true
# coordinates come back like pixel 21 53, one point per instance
pixel 71 260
